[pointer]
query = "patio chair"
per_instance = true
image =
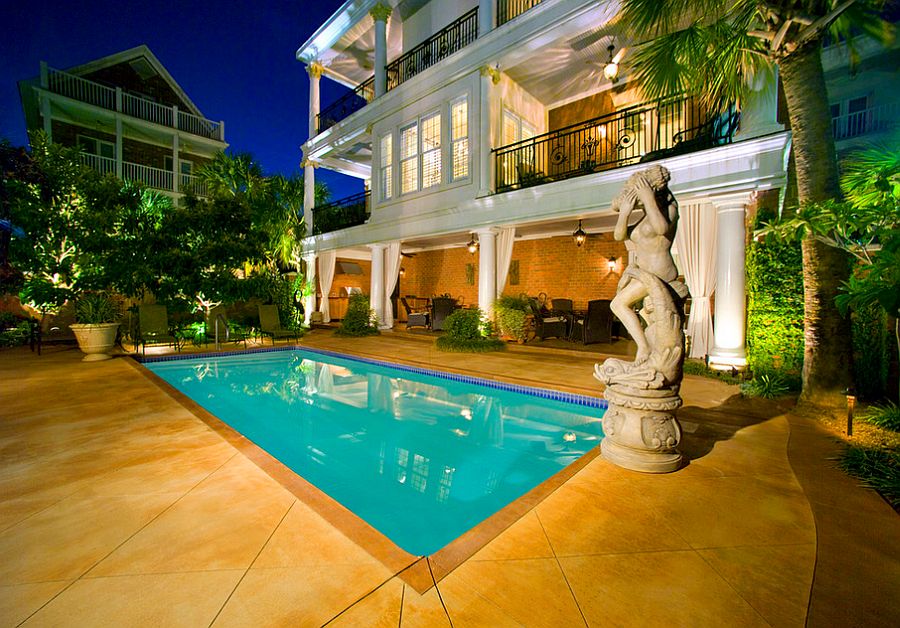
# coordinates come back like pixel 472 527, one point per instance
pixel 441 308
pixel 415 316
pixel 153 328
pixel 546 323
pixel 217 319
pixel 596 325
pixel 270 324
pixel 563 307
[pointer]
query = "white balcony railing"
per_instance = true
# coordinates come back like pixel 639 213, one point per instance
pixel 871 120
pixel 193 184
pixel 152 177
pixel 114 99
pixel 103 165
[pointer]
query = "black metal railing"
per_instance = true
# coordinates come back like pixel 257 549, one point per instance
pixel 350 102
pixel 641 133
pixel 340 214
pixel 508 9
pixel 444 43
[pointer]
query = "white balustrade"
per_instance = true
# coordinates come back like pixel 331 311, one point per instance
pixel 81 89
pixel 199 126
pixel 194 185
pixel 103 165
pixel 153 177
pixel 146 110
pixel 871 120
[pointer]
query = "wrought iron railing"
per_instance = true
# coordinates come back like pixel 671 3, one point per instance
pixel 347 104
pixel 640 133
pixel 442 44
pixel 508 9
pixel 340 214
pixel 871 120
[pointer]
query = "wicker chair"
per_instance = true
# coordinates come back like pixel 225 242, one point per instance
pixel 546 323
pixel 441 308
pixel 596 325
pixel 415 317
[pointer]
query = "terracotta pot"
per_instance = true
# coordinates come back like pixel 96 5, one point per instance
pixel 95 341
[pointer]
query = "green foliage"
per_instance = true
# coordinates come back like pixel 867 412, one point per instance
pixel 513 302
pixel 360 318
pixel 465 330
pixel 886 416
pixel 768 385
pixel 283 292
pixel 14 330
pixel 871 351
pixel 878 469
pixel 699 367
pixel 94 308
pixel 510 313
pixel 775 306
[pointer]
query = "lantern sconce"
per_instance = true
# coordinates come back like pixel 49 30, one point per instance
pixel 611 264
pixel 472 245
pixel 579 236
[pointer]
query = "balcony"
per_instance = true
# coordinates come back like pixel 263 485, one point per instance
pixel 641 133
pixel 155 178
pixel 345 105
pixel 114 99
pixel 510 9
pixel 865 122
pixel 340 214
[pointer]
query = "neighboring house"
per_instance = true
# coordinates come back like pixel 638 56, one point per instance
pixel 505 121
pixel 128 116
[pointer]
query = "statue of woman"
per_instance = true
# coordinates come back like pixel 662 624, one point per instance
pixel 650 240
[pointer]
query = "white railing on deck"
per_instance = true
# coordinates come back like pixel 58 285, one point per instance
pixel 193 184
pixel 83 90
pixel 103 165
pixel 871 120
pixel 153 177
pixel 147 110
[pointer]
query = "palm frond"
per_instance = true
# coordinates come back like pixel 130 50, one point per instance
pixel 650 18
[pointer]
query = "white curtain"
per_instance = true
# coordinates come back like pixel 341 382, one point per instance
pixel 326 276
pixel 391 275
pixel 696 242
pixel 506 236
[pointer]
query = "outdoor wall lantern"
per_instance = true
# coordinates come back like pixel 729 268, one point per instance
pixel 579 236
pixel 611 69
pixel 472 245
pixel 611 264
pixel 402 271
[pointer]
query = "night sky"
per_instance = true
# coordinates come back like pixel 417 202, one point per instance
pixel 234 59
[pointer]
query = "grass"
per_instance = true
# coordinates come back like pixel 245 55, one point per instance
pixel 878 469
pixel 886 416
pixel 698 367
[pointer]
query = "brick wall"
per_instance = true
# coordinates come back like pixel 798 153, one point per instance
pixel 122 75
pixel 67 134
pixel 584 109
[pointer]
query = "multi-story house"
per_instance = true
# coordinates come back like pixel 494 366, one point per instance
pixel 128 116
pixel 510 126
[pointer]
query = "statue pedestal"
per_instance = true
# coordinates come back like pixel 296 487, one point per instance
pixel 640 428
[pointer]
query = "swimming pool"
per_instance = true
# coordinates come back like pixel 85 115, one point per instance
pixel 421 456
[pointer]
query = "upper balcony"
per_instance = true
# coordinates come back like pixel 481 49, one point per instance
pixel 114 99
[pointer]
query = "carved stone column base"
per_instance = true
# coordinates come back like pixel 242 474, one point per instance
pixel 637 460
pixel 641 431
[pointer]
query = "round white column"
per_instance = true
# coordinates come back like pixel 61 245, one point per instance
pixel 489 77
pixel 380 13
pixel 309 301
pixel 485 17
pixel 730 322
pixel 487 269
pixel 309 193
pixel 314 69
pixel 376 287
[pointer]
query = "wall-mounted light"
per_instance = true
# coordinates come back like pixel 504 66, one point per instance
pixel 611 264
pixel 402 271
pixel 579 235
pixel 472 245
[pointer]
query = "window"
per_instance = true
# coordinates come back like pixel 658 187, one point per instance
pixel 515 128
pixel 93 146
pixel 409 162
pixel 849 117
pixel 459 139
pixel 431 151
pixel 185 165
pixel 387 168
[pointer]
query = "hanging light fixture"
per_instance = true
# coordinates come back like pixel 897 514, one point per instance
pixel 579 236
pixel 472 245
pixel 611 69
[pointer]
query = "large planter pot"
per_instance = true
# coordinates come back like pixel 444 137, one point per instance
pixel 95 341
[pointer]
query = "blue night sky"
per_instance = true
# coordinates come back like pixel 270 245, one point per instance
pixel 234 59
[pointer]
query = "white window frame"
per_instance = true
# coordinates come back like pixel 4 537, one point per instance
pixel 432 151
pixel 386 177
pixel 453 141
pixel 414 157
pixel 81 139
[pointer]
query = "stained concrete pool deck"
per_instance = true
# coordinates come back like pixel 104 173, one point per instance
pixel 121 506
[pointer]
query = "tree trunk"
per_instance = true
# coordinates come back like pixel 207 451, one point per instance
pixel 828 348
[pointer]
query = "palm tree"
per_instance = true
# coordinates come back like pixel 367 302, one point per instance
pixel 718 49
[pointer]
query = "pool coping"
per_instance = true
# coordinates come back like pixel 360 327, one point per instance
pixel 420 572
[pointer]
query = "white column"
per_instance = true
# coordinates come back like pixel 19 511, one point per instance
pixel 314 69
pixel 380 13
pixel 729 326
pixel 45 114
pixel 309 301
pixel 487 269
pixel 176 166
pixel 376 287
pixel 489 77
pixel 118 146
pixel 309 193
pixel 485 17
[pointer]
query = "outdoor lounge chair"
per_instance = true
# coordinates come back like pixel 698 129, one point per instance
pixel 270 324
pixel 596 325
pixel 153 328
pixel 441 308
pixel 217 321
pixel 415 317
pixel 546 323
pixel 563 307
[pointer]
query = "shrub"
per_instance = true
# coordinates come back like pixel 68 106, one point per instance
pixel 768 385
pixel 511 316
pixel 94 308
pixel 698 367
pixel 360 318
pixel 871 351
pixel 878 469
pixel 466 331
pixel 887 416
pixel 14 330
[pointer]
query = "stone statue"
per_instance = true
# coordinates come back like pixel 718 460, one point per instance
pixel 641 432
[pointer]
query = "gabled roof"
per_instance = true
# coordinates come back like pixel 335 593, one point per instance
pixel 128 55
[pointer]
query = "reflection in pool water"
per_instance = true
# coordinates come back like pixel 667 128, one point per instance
pixel 420 458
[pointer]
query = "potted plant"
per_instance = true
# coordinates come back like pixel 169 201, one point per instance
pixel 96 323
pixel 511 315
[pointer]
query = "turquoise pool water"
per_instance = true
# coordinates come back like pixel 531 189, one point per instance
pixel 422 457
